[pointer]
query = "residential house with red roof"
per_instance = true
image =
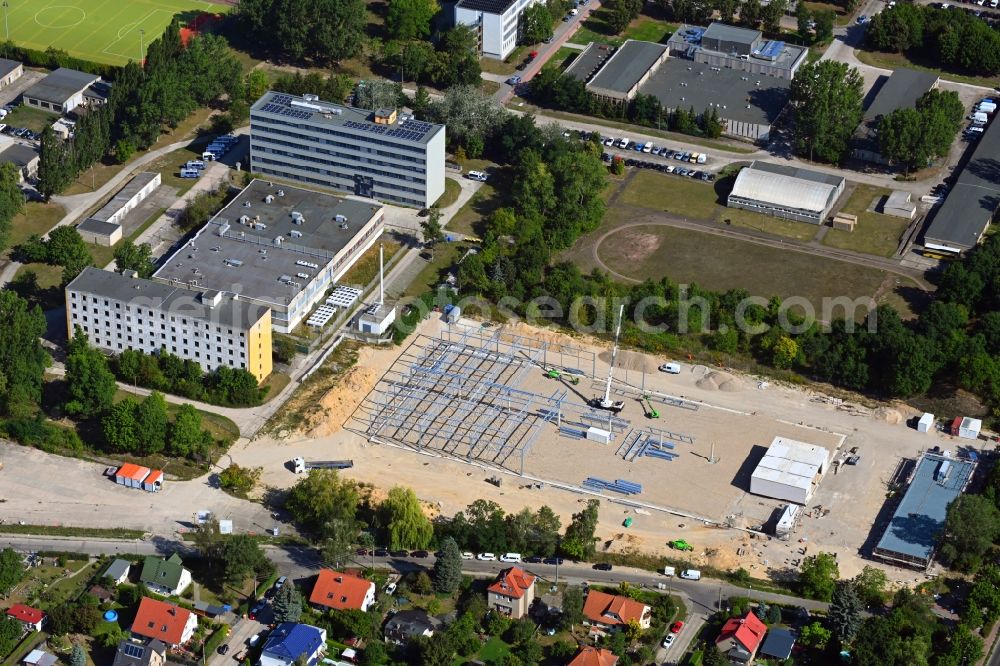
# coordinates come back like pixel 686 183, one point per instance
pixel 340 590
pixel 740 637
pixel 31 618
pixel 511 593
pixel 592 656
pixel 606 612
pixel 165 622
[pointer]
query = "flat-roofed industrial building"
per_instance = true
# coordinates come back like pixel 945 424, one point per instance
pixel 784 191
pixel 910 539
pixel 378 154
pixel 277 246
pixel 901 90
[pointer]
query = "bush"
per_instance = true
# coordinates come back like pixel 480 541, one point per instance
pixel 43 435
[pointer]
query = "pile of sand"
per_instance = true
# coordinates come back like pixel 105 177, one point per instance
pixel 337 404
pixel 631 360
pixel 720 381
pixel 889 415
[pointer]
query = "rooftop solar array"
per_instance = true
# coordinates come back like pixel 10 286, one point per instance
pixel 289 111
pixel 279 98
pixel 772 49
pixel 343 297
pixel 134 651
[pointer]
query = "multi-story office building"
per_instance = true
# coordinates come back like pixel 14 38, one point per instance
pixel 276 246
pixel 123 311
pixel 497 23
pixel 378 154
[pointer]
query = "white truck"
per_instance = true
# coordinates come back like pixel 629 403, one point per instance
pixel 691 574
pixel 300 465
pixel 669 571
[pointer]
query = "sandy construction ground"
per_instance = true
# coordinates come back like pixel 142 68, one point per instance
pixel 739 414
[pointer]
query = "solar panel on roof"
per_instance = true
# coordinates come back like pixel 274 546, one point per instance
pixel 134 651
pixel 279 98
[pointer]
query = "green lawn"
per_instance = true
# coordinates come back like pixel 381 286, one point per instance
pixel 366 268
pixel 34 119
pixel 897 60
pixel 720 264
pixel 105 31
pixel 451 191
pixel 444 256
pixel 564 56
pixel 595 29
pixel 875 233
pixel 504 67
pixel 490 196
pixel 772 225
pixel 69 531
pixel 36 218
pixel 842 18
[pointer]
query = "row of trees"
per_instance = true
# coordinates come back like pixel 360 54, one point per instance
pixel 954 39
pixel 173 81
pixel 451 59
pixel 169 373
pixel 130 426
pixel 913 137
pixel 318 31
pixel 64 247
pixel 752 13
pixel 551 88
pixel 11 201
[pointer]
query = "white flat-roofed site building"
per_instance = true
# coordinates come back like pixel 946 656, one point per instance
pixel 123 311
pixel 377 154
pixel 277 246
pixel 790 470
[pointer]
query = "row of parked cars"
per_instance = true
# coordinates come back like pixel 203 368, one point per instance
pixel 20 132
pixel 652 149
pixel 662 167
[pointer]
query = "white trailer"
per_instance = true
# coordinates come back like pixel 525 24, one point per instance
pixel 926 422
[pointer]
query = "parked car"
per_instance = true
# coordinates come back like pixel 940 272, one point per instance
pixel 467 556
pixel 668 640
pixel 609 141
pixel 390 589
pixel 514 80
pixel 676 627
pixel 399 553
pixel 381 552
pixel 534 559
pixel 224 648
pixel 552 560
pixel 486 557
pixel 603 566
pixel 420 554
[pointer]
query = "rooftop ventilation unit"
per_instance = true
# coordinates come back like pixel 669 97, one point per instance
pixel 281 193
pixel 244 219
pixel 223 228
pixel 309 97
pixel 297 217
pixel 340 219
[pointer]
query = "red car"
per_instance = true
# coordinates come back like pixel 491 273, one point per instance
pixel 676 627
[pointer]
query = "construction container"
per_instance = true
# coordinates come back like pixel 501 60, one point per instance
pixel 598 435
pixel 926 422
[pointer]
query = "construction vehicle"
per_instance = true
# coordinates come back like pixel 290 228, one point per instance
pixel 651 412
pixel 680 544
pixel 556 374
pixel 300 465
pixel 606 402
pixel 628 522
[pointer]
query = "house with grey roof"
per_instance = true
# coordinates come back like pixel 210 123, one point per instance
pixel 24 157
pixel 118 571
pixel 137 651
pixel 165 576
pixel 63 90
pixel 899 91
pixel 10 71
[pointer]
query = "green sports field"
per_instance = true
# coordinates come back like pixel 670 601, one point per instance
pixel 106 31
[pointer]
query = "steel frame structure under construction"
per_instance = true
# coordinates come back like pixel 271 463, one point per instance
pixel 459 396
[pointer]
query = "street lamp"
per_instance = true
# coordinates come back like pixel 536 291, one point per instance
pixel 142 51
pixel 6 28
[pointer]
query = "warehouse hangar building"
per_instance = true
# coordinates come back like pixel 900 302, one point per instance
pixel 961 221
pixel 911 536
pixel 790 470
pixel 901 90
pixel 377 154
pixel 744 77
pixel 276 246
pixel 786 191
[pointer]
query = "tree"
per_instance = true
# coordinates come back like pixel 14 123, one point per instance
pixel 374 654
pixel 713 657
pixel 287 604
pixel 321 30
pixel 447 572
pixel 120 426
pixel 803 19
pixel 845 612
pixel 132 257
pixel 815 636
pixel 826 99
pixel 151 424
pixel 90 383
pixel 771 15
pixel 544 532
pixel 818 576
pixel 185 436
pixel 970 528
pixel 242 558
pixel 824 25
pixel 54 173
pixel 321 497
pixel 536 23
pixel 339 535
pixel 240 480
pixel 10 633
pixel 11 200
pixel 870 585
pixel 431 230
pixel 11 570
pixel 578 542
pixel 207 539
pixel 404 519
pixel 963 647
pixel 468 113
pixel 751 13
pixel 572 609
pixel 77 656
pixel 410 19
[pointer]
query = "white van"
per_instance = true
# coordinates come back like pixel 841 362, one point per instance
pixel 486 557
pixel 671 368
pixel 194 164
pixel 691 574
pixel 190 173
pixel 208 156
pixel 510 557
pixel 477 175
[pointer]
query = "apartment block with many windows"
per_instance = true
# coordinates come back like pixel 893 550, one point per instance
pixel 497 22
pixel 377 154
pixel 123 311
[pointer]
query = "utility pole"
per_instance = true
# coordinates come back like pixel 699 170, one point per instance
pixel 6 28
pixel 142 49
